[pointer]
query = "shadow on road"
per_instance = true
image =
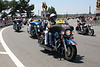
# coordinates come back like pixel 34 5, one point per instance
pixel 88 35
pixel 33 37
pixel 57 55
pixel 78 59
pixel 19 31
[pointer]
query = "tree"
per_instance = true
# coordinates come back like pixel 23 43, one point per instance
pixel 4 5
pixel 21 7
pixel 13 7
pixel 26 8
pixel 4 14
pixel 1 5
pixel 52 10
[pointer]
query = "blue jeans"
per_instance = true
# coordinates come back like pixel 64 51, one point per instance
pixel 14 26
pixel 46 37
pixel 51 38
pixel 29 29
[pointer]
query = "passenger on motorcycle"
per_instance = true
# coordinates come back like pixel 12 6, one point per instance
pixel 82 22
pixel 52 22
pixel 78 21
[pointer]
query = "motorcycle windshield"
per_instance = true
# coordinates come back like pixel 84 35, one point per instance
pixel 60 27
pixel 36 22
pixel 15 21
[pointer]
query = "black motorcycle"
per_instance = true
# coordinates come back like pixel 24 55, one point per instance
pixel 87 29
pixel 63 43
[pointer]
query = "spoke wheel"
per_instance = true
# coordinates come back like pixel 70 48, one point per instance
pixel 70 53
pixel 91 32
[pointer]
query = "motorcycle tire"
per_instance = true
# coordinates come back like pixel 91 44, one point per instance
pixel 71 52
pixel 91 32
pixel 77 28
pixel 40 40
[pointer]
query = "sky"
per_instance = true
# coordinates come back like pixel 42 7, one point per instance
pixel 66 6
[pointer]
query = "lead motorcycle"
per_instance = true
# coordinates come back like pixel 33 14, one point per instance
pixel 63 42
pixel 87 29
pixel 17 25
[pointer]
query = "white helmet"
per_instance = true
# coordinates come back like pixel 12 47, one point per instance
pixel 52 15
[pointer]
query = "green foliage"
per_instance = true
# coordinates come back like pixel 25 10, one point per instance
pixel 25 7
pixel 14 7
pixel 4 14
pixel 52 10
pixel 4 5
pixel 20 7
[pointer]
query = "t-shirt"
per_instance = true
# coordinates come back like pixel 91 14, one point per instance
pixel 51 23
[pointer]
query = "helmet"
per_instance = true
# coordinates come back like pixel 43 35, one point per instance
pixel 52 15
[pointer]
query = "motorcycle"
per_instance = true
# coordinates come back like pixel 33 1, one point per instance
pixel 35 28
pixel 17 25
pixel 62 41
pixel 87 29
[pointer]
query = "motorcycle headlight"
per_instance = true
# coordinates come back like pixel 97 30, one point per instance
pixel 17 23
pixel 34 26
pixel 85 25
pixel 38 26
pixel 62 32
pixel 68 32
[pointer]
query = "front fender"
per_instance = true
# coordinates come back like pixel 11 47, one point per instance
pixel 71 42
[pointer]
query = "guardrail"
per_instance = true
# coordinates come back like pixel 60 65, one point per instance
pixel 5 23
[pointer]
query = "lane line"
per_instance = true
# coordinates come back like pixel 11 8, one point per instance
pixel 3 52
pixel 9 52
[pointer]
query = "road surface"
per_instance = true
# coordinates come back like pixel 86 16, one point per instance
pixel 28 52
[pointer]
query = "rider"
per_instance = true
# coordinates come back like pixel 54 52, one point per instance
pixel 82 22
pixel 78 21
pixel 52 22
pixel 46 28
pixel 30 20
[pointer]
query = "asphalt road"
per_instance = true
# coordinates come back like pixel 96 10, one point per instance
pixel 27 50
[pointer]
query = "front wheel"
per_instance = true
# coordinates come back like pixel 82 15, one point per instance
pixel 41 40
pixel 70 52
pixel 91 32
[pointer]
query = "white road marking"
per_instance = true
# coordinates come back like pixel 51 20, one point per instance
pixel 9 52
pixel 3 52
